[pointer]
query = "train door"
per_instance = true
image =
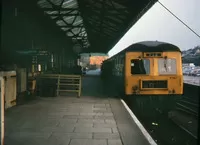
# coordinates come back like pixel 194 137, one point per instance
pixel 137 67
pixel 130 67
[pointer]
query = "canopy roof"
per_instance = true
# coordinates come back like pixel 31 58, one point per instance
pixel 96 25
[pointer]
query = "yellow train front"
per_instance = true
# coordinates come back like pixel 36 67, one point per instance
pixel 146 68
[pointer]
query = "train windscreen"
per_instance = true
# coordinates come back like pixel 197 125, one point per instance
pixel 167 66
pixel 140 66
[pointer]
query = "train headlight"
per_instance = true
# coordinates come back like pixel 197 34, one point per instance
pixel 136 89
pixel 172 91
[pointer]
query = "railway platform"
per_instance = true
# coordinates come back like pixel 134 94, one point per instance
pixel 93 119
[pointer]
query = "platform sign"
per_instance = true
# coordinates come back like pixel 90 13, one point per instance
pixel 2 109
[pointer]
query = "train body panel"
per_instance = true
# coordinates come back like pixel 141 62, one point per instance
pixel 146 68
pixel 156 79
pixel 167 85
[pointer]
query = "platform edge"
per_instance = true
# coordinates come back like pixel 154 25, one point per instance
pixel 141 127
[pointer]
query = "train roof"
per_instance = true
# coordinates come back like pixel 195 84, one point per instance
pixel 152 46
pixel 149 46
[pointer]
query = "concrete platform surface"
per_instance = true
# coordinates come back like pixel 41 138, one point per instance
pixel 72 121
pixel 193 80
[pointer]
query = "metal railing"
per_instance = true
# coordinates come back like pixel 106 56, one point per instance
pixel 65 83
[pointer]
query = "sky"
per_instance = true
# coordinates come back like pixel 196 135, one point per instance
pixel 158 24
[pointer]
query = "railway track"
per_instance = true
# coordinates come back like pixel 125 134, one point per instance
pixel 188 105
pixel 161 128
pixel 188 115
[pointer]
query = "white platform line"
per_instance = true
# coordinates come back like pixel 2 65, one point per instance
pixel 145 133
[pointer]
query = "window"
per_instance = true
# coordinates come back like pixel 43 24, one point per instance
pixel 167 66
pixel 140 66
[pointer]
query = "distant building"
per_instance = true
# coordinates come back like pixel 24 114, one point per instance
pixel 188 65
pixel 197 52
pixel 97 60
pixel 85 61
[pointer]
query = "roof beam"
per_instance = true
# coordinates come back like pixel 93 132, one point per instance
pixel 77 9
pixel 105 25
pixel 110 7
pixel 62 15
pixel 70 26
pixel 60 9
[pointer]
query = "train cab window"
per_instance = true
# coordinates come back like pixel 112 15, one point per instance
pixel 167 66
pixel 140 66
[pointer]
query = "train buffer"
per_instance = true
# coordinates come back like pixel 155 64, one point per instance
pixel 92 119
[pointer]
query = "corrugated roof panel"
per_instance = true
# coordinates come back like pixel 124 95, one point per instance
pixel 70 34
pixel 67 16
pixel 76 30
pixel 117 5
pixel 70 4
pixel 51 12
pixel 44 4
pixel 103 18
pixel 69 19
pixel 78 22
pixel 53 17
pixel 65 29
pixel 70 12
pixel 56 2
pixel 60 23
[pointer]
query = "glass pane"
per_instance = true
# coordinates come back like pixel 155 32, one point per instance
pixel 140 66
pixel 167 66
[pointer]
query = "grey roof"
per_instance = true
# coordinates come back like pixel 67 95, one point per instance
pixel 67 16
pixel 97 25
pixel 151 43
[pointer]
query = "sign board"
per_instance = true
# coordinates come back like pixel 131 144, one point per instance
pixel 2 109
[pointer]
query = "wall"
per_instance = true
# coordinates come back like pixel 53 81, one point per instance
pixel 9 88
pixel 24 26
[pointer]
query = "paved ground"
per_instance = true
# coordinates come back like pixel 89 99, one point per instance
pixel 192 80
pixel 62 121
pixel 72 121
pixel 89 120
pixel 94 72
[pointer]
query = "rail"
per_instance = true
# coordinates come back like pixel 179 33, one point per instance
pixel 188 106
pixel 65 83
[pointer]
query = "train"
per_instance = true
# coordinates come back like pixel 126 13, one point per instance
pixel 147 68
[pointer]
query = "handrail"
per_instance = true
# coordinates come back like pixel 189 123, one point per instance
pixel 64 81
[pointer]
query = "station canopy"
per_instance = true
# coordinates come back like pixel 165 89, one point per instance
pixel 95 25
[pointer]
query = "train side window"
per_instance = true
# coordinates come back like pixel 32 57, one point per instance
pixel 140 66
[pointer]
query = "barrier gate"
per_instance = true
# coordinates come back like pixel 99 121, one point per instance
pixel 65 83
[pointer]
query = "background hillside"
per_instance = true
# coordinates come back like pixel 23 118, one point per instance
pixel 192 56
